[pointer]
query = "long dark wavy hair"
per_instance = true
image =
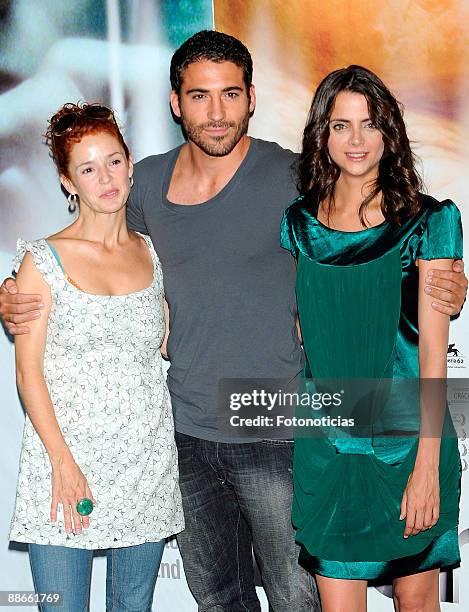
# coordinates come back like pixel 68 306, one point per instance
pixel 398 182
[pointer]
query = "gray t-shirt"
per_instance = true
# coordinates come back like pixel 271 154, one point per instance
pixel 229 284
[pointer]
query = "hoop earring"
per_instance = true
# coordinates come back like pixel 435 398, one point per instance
pixel 131 181
pixel 72 202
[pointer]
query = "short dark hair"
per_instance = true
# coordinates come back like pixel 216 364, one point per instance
pixel 214 47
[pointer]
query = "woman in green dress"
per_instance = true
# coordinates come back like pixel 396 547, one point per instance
pixel 382 505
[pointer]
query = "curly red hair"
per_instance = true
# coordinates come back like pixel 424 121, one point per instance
pixel 61 146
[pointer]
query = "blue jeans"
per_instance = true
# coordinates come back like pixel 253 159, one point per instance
pixel 237 497
pixel 130 578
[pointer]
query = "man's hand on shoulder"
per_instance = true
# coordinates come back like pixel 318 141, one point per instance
pixel 449 288
pixel 18 308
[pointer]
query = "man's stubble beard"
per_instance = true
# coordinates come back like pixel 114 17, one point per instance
pixel 215 146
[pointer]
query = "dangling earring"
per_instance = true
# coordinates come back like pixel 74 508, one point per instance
pixel 131 181
pixel 72 202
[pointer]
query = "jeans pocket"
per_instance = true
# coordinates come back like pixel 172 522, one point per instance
pixel 186 447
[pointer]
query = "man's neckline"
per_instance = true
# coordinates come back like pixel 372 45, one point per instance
pixel 231 184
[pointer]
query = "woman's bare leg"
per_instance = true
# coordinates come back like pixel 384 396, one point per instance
pixel 417 593
pixel 338 595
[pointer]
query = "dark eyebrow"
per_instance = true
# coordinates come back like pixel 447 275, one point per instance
pixel 348 120
pixel 90 162
pixel 200 90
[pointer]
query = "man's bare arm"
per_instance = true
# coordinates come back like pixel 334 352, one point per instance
pixel 18 308
pixel 448 288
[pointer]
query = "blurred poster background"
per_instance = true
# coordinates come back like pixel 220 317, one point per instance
pixel 420 48
pixel 118 52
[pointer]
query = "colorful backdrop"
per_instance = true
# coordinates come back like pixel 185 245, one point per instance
pixel 118 52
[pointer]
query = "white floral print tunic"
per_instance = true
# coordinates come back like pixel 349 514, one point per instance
pixel 103 369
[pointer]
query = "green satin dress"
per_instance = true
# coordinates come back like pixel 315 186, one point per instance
pixel 357 296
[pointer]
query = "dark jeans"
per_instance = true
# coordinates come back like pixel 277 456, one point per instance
pixel 236 496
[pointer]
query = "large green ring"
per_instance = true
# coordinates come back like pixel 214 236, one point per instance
pixel 85 506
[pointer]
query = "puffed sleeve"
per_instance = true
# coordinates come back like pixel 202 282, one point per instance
pixel 287 234
pixel 441 236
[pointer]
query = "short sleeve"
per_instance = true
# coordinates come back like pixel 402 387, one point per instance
pixel 287 236
pixel 135 216
pixel 42 257
pixel 441 237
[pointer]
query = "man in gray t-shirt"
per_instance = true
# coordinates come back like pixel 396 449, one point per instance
pixel 230 286
pixel 213 209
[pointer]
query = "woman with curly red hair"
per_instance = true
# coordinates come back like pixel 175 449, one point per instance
pixel 98 467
